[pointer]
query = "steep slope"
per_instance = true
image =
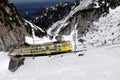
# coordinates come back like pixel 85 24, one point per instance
pixel 13 27
pixel 56 28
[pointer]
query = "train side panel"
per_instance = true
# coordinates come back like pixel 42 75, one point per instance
pixel 44 49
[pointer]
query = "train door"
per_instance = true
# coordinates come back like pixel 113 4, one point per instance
pixel 48 49
pixel 43 50
pixel 58 47
pixel 52 48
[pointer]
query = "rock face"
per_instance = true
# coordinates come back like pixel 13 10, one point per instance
pixel 47 16
pixel 13 27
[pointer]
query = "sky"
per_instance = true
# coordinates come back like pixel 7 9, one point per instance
pixel 16 1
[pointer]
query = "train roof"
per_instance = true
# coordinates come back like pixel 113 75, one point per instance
pixel 49 43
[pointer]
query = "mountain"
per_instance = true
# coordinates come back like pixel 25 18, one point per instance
pixel 79 16
pixel 85 17
pixel 13 28
pixel 28 9
pixel 46 17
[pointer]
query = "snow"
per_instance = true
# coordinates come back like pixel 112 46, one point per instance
pixel 97 4
pixel 97 64
pixel 4 61
pixel 106 30
pixel 37 40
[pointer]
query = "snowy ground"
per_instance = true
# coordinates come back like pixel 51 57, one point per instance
pixel 97 64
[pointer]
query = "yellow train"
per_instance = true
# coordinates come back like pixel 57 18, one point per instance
pixel 44 49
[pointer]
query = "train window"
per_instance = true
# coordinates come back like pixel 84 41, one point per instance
pixel 34 48
pixel 47 47
pixel 55 45
pixel 52 46
pixel 67 43
pixel 39 48
pixel 58 45
pixel 43 48
pixel 19 51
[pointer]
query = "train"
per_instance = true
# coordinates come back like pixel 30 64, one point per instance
pixel 44 49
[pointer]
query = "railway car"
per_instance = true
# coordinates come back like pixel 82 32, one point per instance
pixel 44 49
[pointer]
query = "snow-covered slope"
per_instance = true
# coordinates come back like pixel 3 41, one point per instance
pixel 96 64
pixel 105 31
pixel 55 28
pixel 35 39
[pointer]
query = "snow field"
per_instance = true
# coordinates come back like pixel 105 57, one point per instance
pixel 96 64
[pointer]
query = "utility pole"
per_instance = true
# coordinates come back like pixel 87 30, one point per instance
pixel 33 51
pixel 74 38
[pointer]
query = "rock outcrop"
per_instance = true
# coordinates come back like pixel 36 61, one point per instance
pixel 15 63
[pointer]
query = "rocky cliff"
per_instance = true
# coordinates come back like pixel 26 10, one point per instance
pixel 13 28
pixel 46 17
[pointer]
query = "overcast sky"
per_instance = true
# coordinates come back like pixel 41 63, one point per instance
pixel 36 0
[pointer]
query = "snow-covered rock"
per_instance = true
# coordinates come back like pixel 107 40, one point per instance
pixel 106 30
